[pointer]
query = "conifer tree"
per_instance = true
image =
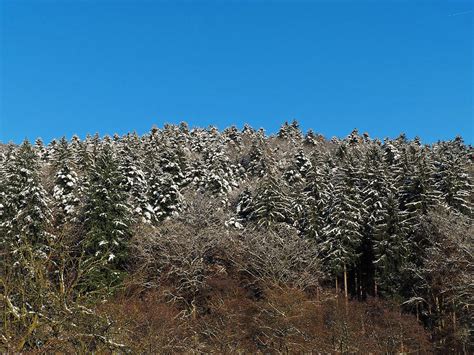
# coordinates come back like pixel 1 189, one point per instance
pixel 173 162
pixel 25 244
pixel 343 233
pixel 66 190
pixel 416 183
pixel 391 247
pixel 232 134
pixel 220 175
pixel 290 131
pixel 26 201
pixel 244 205
pixel 310 138
pixel 376 186
pixel 298 169
pixel 107 220
pixel 168 201
pixel 134 183
pixel 40 148
pixel 317 193
pixel 452 178
pixel 6 160
pixel 257 164
pixel 270 204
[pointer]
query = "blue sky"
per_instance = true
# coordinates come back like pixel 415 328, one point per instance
pixel 385 67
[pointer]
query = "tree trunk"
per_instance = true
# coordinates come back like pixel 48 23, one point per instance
pixel 345 282
pixel 356 284
pixel 438 310
pixel 402 346
pixel 454 318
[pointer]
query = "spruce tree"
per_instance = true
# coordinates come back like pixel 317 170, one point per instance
pixel 270 204
pixel 376 186
pixel 65 190
pixel 244 205
pixel 391 246
pixel 220 175
pixel 310 138
pixel 298 169
pixel 290 131
pixel 168 201
pixel 343 232
pixel 107 221
pixel 317 193
pixel 26 202
pixel 134 183
pixel 416 183
pixel 452 178
pixel 257 163
pixel 25 245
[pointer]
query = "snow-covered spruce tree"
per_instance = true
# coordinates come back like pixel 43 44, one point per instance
pixel 298 169
pixel 94 145
pixel 244 204
pixel 6 207
pixel 248 130
pixel 390 247
pixel 376 186
pixel 50 151
pixel 167 199
pixel 25 243
pixel 6 159
pixel 40 148
pixel 173 162
pixel 270 204
pixel 62 153
pixel 27 210
pixel 417 189
pixel 310 138
pixel 316 194
pixel 452 177
pixel 134 183
pixel 107 222
pixel 290 131
pixel 343 232
pixel 82 155
pixel 220 175
pixel 353 138
pixel 65 190
pixel 257 163
pixel 232 134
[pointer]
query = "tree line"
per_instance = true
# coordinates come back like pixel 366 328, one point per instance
pixel 365 218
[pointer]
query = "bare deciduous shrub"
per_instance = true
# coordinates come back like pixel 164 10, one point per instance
pixel 182 258
pixel 287 320
pixel 281 258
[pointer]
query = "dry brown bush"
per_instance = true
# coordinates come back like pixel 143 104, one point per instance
pixel 182 259
pixel 196 286
pixel 286 320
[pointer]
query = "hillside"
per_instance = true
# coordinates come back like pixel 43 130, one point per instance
pixel 200 240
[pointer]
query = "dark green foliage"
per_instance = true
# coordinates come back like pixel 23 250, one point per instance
pixel 270 204
pixel 107 219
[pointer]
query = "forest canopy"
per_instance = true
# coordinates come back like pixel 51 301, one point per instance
pixel 235 240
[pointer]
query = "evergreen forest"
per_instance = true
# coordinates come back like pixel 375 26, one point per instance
pixel 199 240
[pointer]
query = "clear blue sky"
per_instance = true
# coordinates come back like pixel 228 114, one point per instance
pixel 386 66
